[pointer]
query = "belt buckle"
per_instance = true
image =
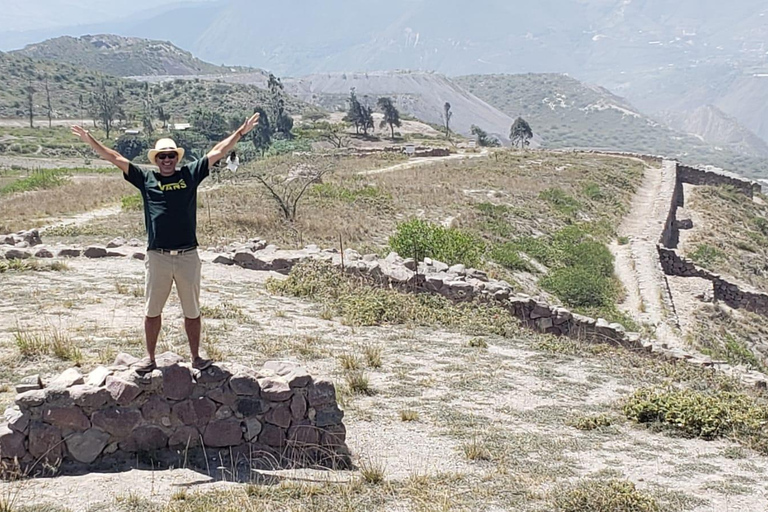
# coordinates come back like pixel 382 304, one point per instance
pixel 174 252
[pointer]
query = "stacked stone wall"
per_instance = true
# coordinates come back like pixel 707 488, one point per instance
pixel 278 413
pixel 702 177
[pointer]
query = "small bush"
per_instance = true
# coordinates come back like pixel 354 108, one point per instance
pixel 580 287
pixel 349 362
pixel 560 201
pixel 592 422
pixel 420 239
pixel 476 449
pixel 604 496
pixel 373 355
pixel 131 203
pixel 478 343
pixel 508 256
pixel 358 382
pixel 409 415
pixel 701 414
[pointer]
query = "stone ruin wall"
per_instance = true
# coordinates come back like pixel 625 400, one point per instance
pixel 277 413
pixel 733 294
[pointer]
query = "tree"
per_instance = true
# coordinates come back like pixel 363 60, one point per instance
pixel 262 132
pixel 48 108
pixel 212 125
pixel 520 133
pixel 289 180
pixel 334 133
pixel 447 115
pixel 81 106
pixel 391 115
pixel 354 112
pixel 30 92
pixel 163 117
pixel 282 123
pixel 149 104
pixel 131 146
pixel 366 119
pixel 483 139
pixel 106 105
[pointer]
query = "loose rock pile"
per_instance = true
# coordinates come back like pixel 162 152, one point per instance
pixel 24 248
pixel 279 412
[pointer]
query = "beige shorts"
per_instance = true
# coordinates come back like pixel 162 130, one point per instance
pixel 162 270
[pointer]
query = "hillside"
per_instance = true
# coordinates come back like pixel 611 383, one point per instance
pixel 716 127
pixel 68 83
pixel 567 113
pixel 120 56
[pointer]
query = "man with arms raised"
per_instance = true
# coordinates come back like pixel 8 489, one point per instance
pixel 170 216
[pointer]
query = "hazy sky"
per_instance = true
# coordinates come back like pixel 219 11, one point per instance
pixel 42 14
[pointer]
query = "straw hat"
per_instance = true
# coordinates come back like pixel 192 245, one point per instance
pixel 165 146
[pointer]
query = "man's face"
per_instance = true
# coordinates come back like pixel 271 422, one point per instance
pixel 166 162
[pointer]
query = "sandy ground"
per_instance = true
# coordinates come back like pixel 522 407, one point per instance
pixel 511 391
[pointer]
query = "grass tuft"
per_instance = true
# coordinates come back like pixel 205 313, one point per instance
pixel 604 496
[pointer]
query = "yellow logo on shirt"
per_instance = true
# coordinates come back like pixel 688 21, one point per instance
pixel 172 186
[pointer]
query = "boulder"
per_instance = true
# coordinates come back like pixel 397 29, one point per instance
pixel 184 436
pixel 69 252
pixel 279 415
pixel 122 391
pixel 29 383
pixel 16 420
pixel 321 393
pixel 252 429
pixel 68 378
pixel 221 433
pixel 177 382
pixel 95 252
pixel 45 442
pixel 245 384
pixel 275 389
pixel 148 438
pixel 11 443
pixel 69 418
pixel 17 254
pixel 117 421
pixel 87 446
pixel 43 253
pixel 273 436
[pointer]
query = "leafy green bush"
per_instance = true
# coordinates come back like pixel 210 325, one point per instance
pixel 508 256
pixel 421 239
pixel 560 201
pixel 592 422
pixel 132 202
pixel 580 286
pixel 284 146
pixel 702 414
pixel 590 254
pixel 604 496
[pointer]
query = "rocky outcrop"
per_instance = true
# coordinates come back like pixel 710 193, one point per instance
pixel 278 411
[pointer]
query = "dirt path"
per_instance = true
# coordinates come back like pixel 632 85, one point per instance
pixel 637 262
pixel 418 162
pixel 81 218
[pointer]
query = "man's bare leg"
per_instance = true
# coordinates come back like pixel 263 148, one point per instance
pixel 152 327
pixel 193 327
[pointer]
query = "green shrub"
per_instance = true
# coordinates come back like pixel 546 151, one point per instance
pixel 580 286
pixel 702 414
pixel 590 254
pixel 131 203
pixel 592 422
pixel 560 201
pixel 604 496
pixel 421 239
pixel 508 256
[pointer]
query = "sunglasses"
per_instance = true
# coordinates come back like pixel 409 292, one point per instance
pixel 164 156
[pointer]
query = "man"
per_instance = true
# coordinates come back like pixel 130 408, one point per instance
pixel 170 217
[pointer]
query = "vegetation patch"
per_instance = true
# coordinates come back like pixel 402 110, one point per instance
pixel 421 239
pixel 40 179
pixel 361 303
pixel 708 415
pixel 604 496
pixel 32 266
pixel 706 255
pixel 131 203
pixel 592 422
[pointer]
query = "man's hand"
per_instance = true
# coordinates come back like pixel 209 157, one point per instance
pixel 249 124
pixel 81 132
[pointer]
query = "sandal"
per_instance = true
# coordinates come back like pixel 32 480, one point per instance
pixel 201 364
pixel 145 366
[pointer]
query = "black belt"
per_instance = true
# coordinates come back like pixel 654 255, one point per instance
pixel 174 252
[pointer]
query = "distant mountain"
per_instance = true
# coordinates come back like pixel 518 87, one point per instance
pixel 714 126
pixel 120 56
pixel 71 86
pixel 567 113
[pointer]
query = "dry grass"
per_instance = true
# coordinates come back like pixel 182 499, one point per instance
pixel 48 342
pixel 736 227
pixel 738 337
pixel 31 209
pixel 364 210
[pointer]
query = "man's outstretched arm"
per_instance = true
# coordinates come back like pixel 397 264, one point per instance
pixel 228 144
pixel 110 155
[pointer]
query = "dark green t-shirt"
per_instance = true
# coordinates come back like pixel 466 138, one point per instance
pixel 170 204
